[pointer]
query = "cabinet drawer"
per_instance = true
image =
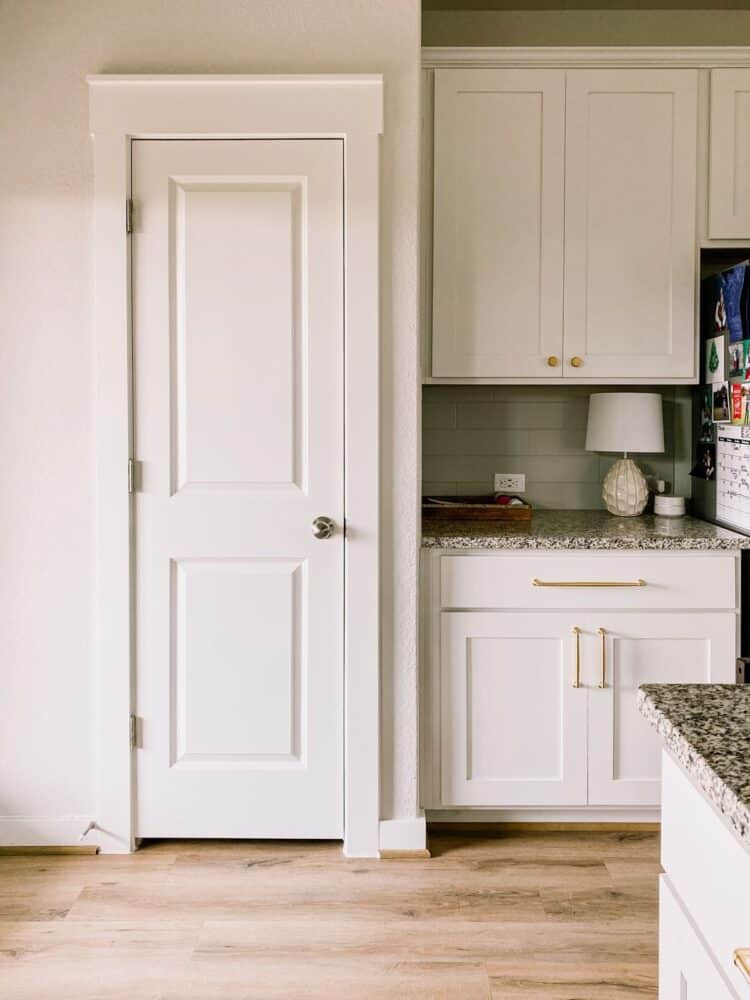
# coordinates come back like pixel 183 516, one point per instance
pixel 709 869
pixel 622 580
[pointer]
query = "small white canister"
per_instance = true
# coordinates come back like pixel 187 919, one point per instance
pixel 668 506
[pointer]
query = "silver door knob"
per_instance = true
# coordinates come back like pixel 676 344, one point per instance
pixel 323 527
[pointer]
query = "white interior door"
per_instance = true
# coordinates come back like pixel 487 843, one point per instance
pixel 238 384
pixel 631 154
pixel 498 227
pixel 513 724
pixel 624 749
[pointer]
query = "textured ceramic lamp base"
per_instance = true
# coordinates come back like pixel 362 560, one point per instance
pixel 624 489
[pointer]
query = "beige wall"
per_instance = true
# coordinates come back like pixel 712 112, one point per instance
pixel 586 27
pixel 46 460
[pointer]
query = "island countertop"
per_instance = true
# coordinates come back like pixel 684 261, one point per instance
pixel 583 529
pixel 706 728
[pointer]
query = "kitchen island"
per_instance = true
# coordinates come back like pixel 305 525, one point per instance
pixel 704 917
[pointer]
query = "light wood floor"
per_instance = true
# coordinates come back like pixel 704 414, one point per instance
pixel 555 915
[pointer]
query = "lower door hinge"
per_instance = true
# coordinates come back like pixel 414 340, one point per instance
pixel 134 475
pixel 133 729
pixel 129 215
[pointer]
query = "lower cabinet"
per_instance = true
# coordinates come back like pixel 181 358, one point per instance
pixel 686 968
pixel 538 708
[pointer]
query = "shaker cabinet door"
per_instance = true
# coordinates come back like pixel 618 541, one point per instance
pixel 729 166
pixel 633 649
pixel 630 206
pixel 498 223
pixel 513 725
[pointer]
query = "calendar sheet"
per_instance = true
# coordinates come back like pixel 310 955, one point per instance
pixel 733 476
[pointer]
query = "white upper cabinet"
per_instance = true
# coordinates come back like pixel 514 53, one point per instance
pixel 729 166
pixel 498 223
pixel 565 224
pixel 630 197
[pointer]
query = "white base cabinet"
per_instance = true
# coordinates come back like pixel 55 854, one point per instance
pixel 704 915
pixel 535 707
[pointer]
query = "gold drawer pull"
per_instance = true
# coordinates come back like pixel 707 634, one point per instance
pixel 588 583
pixel 603 681
pixel 741 958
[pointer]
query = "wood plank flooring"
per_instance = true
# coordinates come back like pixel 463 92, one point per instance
pixel 516 916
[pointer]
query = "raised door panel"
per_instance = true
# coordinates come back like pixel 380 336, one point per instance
pixel 630 208
pixel 498 223
pixel 635 649
pixel 729 166
pixel 513 725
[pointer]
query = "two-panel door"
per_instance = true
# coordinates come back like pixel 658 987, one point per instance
pixel 238 387
pixel 513 720
pixel 624 651
pixel 630 217
pixel 729 166
pixel 498 222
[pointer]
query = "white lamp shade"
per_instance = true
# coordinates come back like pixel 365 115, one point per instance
pixel 625 422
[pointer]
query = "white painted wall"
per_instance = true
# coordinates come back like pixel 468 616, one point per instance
pixel 46 344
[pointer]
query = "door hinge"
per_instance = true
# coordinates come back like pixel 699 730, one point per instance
pixel 133 731
pixel 134 475
pixel 128 215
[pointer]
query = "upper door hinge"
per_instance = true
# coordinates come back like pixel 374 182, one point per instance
pixel 129 215
pixel 134 475
pixel 133 731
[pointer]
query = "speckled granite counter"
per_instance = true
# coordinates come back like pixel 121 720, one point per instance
pixel 582 529
pixel 706 728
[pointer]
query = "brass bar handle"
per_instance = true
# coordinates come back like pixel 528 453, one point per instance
pixel 588 583
pixel 603 633
pixel 741 958
pixel 577 634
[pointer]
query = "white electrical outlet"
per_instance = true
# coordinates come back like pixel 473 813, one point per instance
pixel 510 482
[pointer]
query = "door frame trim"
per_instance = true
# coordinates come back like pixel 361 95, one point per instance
pixel 123 108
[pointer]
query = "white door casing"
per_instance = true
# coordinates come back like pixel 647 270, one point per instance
pixel 238 375
pixel 235 107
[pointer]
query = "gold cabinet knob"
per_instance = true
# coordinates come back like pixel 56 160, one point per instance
pixel 552 361
pixel 576 362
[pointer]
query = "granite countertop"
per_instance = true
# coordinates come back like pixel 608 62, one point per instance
pixel 706 728
pixel 582 529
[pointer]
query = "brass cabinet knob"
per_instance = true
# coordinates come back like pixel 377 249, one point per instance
pixel 552 361
pixel 576 362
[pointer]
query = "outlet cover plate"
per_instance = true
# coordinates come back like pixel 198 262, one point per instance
pixel 510 482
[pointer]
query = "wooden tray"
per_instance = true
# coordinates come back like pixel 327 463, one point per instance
pixel 476 508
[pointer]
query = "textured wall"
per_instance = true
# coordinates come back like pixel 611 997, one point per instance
pixel 471 432
pixel 46 487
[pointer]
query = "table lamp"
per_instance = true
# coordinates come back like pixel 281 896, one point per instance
pixel 626 422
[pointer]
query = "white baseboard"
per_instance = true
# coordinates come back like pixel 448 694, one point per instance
pixel 586 814
pixel 44 831
pixel 403 834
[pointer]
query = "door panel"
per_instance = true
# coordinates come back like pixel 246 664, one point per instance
pixel 238 381
pixel 513 726
pixel 624 749
pixel 729 170
pixel 630 206
pixel 498 223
